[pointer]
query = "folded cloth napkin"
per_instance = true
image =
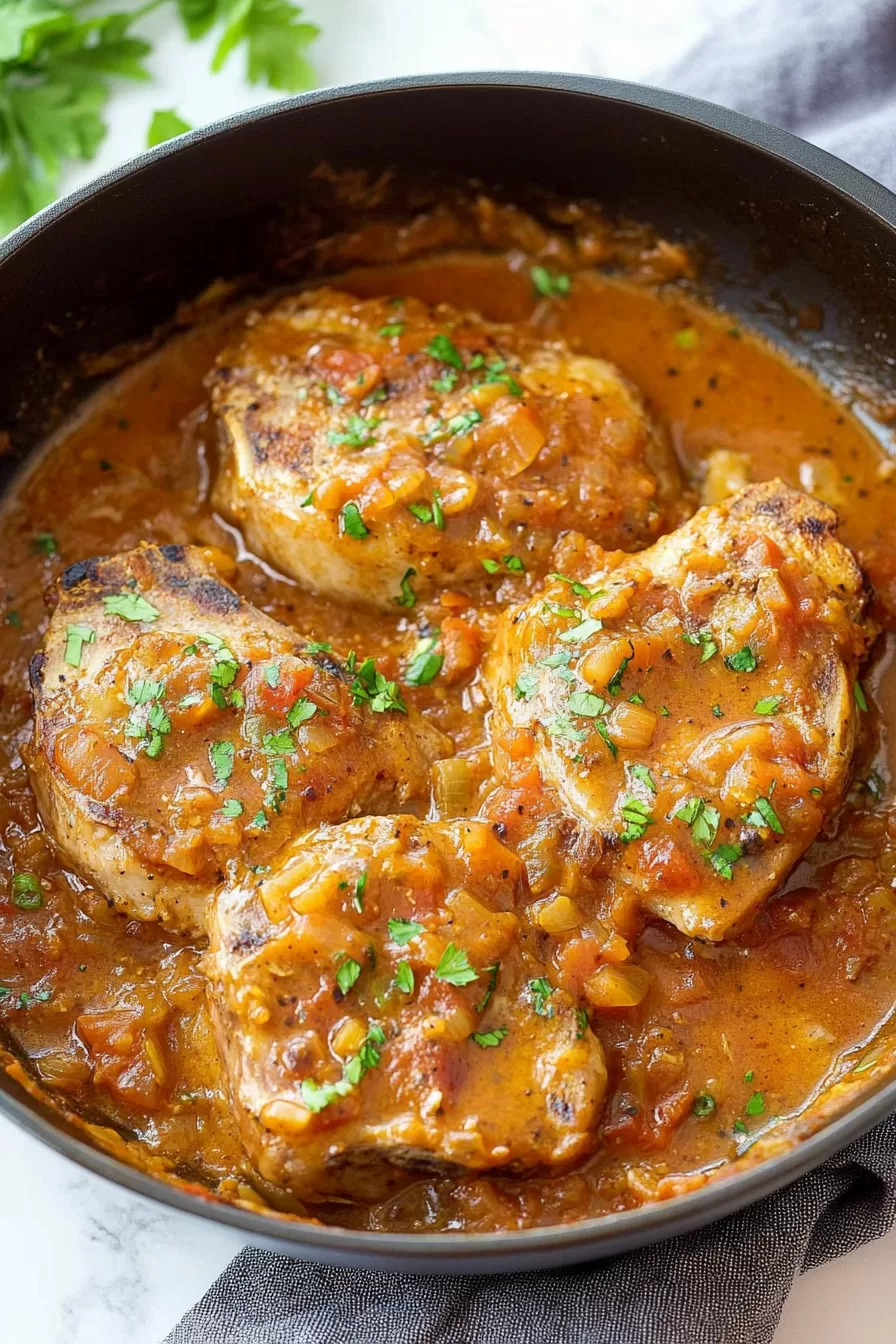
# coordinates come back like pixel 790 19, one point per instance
pixel 828 72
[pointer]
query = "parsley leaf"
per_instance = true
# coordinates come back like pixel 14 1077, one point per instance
pixel 353 525
pixel 220 755
pixel 702 818
pixel 441 347
pixel 76 636
pixel 454 966
pixel 130 606
pixel 744 660
pixel 549 286
pixel 724 858
pixel 540 991
pixel 347 975
pixel 636 815
pixel 484 1039
pixel 401 931
pixel 404 977
pixel 407 597
pixel 769 704
pixel 763 814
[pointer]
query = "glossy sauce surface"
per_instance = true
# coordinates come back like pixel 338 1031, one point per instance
pixel 111 1012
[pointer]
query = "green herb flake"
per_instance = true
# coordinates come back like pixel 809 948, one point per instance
pixel 464 421
pixel 614 685
pixel 231 807
pixel 454 967
pixel 582 1022
pixel 272 675
pixel 391 329
pixel 27 892
pixel 587 704
pixel 859 696
pixel 688 338
pixel 540 992
pixel 446 381
pixel 704 1105
pixel 744 660
pixel 407 597
pixel 299 713
pixel 372 689
pixel 526 685
pixel 404 977
pixel 756 1104
pixel 580 589
pixel 490 566
pixel 44 543
pixel 360 888
pixel 705 642
pixel 442 348
pixel 14 619
pixel 724 858
pixel 491 984
pixel 579 633
pixel 488 1039
pixel 401 931
pixel 514 564
pixel 643 775
pixel 769 704
pixel 347 975
pixel 763 814
pixel 637 817
pixel 425 664
pixel 220 755
pixel 702 818
pixel 130 607
pixel 739 1127
pixel 357 434
pixel 353 524
pixel 549 286
pixel 76 636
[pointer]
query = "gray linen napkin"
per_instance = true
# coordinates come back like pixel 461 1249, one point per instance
pixel 827 71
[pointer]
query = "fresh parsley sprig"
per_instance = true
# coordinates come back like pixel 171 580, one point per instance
pixel 59 64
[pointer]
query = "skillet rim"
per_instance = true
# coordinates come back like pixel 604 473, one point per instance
pixel 609 1234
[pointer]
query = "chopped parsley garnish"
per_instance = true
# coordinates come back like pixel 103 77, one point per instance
pixel 27 892
pixel 272 675
pixel 492 973
pixel 454 966
pixel 275 744
pixel 748 1076
pixel 515 566
pixel 643 775
pixel 490 566
pixel 560 726
pixel 702 818
pixel 485 1039
pixel 740 1127
pixel 446 381
pixel 334 396
pixel 425 513
pixel 152 725
pixel 688 338
pixel 407 597
pixel 763 814
pixel 442 348
pixel 665 712
pixel 360 888
pixel 220 755
pixel 859 695
pixel 582 1022
pixel 299 713
pixel 12 618
pixel 717 711
pixel 401 931
pixel 347 975
pixel 704 1105
pixel 584 630
pixel 464 421
pixel 425 664
pixel 76 636
pixel 614 685
pixel 549 286
pixel 353 524
pixel 769 704
pixel 604 732
pixel 636 815
pixel 318 1095
pixel 587 704
pixel 231 807
pixel 526 685
pixel 705 642
pixel 316 647
pixel 540 991
pixel 562 658
pixel 579 589
pixel 357 434
pixel 724 858
pixel 130 606
pixel 404 977
pixel 756 1104
pixel 744 660
pixel 45 544
pixel 371 688
pixel 391 329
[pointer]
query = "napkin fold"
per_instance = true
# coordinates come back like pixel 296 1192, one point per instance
pixel 826 71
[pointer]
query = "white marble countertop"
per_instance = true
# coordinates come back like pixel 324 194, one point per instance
pixel 81 1261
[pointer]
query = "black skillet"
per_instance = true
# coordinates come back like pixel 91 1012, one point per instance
pixel 785 224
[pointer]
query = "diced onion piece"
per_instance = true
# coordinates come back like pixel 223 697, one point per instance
pixel 348 1037
pixel 617 986
pixel 513 439
pixel 453 786
pixel 285 1117
pixel 63 1070
pixel 156 1057
pixel 91 764
pixel 559 915
pixel 632 726
pixel 771 593
pixel 318 736
pixel 453 1024
pixel 612 603
pixel 601 664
